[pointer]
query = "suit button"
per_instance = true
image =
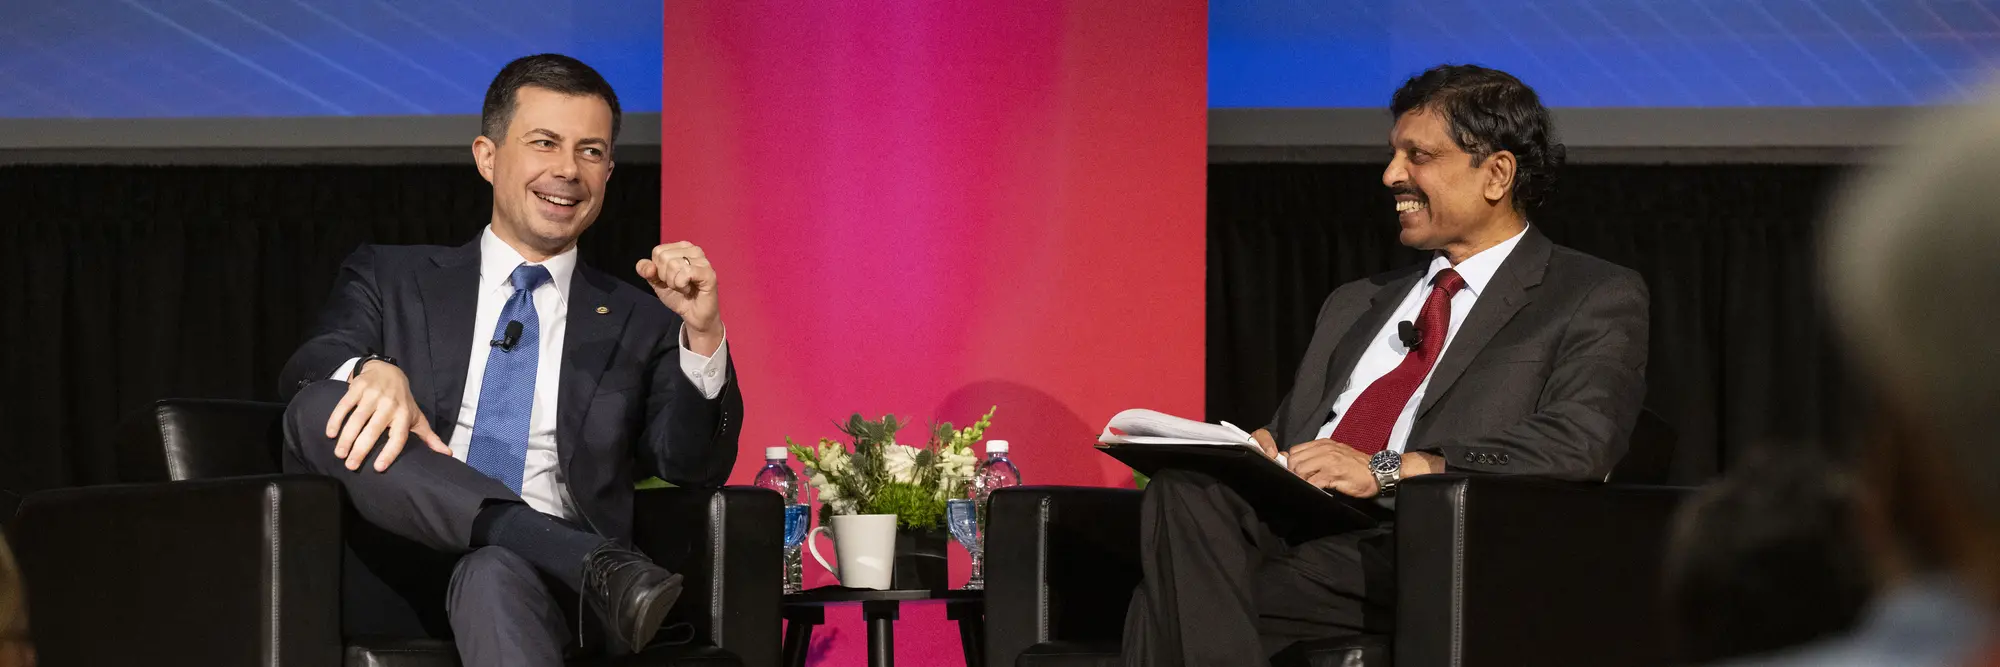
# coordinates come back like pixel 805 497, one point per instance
pixel 1503 458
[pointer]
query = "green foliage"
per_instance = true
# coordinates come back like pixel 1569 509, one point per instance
pixel 880 476
pixel 871 433
pixel 915 507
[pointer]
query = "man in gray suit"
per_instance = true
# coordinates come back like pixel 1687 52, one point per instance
pixel 1504 354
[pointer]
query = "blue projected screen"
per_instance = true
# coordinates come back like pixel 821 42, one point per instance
pixel 240 58
pixel 288 58
pixel 1608 53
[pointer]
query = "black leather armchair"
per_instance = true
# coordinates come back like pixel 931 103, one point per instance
pixel 1491 570
pixel 204 555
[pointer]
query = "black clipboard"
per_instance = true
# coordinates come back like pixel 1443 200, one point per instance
pixel 1293 508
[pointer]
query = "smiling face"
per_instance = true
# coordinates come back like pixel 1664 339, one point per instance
pixel 549 171
pixel 1446 200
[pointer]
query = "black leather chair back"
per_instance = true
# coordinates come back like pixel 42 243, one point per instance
pixel 180 439
pixel 1650 457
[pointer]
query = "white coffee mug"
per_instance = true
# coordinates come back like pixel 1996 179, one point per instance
pixel 866 545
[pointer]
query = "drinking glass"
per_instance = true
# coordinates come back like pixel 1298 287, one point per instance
pixel 962 517
pixel 795 535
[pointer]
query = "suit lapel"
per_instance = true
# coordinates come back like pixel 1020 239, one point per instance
pixel 1505 296
pixel 450 293
pixel 589 339
pixel 1348 352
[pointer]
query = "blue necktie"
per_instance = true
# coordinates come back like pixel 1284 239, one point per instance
pixel 507 391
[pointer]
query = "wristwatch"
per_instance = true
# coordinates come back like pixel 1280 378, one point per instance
pixel 363 362
pixel 1388 468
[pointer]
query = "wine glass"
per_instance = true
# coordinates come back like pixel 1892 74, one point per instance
pixel 795 535
pixel 962 517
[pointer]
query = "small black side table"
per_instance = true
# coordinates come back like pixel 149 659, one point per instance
pixel 882 608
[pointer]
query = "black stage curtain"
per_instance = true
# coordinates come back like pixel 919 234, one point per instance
pixel 133 283
pixel 1740 351
pixel 130 284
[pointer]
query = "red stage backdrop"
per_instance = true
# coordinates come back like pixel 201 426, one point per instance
pixel 928 208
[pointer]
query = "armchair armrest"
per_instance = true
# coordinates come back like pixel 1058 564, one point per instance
pixel 1061 563
pixel 729 545
pixel 1498 570
pixel 129 574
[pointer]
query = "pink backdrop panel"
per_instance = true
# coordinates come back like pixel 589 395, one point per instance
pixel 928 208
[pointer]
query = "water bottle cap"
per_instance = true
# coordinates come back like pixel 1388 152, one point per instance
pixel 996 446
pixel 774 453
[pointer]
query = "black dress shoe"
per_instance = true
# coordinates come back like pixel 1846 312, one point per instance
pixel 629 592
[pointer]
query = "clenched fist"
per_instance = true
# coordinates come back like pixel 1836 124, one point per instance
pixel 684 280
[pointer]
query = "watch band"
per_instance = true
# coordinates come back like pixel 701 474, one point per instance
pixel 1385 483
pixel 363 361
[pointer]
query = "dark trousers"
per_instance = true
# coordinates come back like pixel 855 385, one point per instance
pixel 501 610
pixel 1222 588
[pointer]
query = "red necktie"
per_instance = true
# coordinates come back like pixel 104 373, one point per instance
pixel 1369 420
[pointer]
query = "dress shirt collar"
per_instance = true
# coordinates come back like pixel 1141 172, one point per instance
pixel 497 261
pixel 1478 269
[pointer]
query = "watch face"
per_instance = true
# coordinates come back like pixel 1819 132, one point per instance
pixel 1385 462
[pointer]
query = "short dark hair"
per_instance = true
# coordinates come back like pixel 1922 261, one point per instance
pixel 551 71
pixel 1490 111
pixel 1768 557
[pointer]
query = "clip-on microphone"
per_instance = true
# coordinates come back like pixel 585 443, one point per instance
pixel 1408 331
pixel 507 342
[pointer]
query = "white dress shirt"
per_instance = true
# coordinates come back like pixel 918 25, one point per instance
pixel 542 483
pixel 1385 351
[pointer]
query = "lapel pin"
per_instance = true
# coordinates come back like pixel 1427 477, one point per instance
pixel 602 310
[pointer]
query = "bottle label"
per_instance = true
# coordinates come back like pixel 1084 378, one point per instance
pixel 795 525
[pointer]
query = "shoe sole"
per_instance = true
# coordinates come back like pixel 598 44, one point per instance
pixel 656 603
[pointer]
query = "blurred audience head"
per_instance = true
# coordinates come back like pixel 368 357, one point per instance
pixel 1912 260
pixel 1766 558
pixel 1474 150
pixel 15 650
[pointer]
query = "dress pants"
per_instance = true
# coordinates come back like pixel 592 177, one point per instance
pixel 1222 588
pixel 502 611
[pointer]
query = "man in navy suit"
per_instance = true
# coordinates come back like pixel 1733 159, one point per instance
pixel 494 402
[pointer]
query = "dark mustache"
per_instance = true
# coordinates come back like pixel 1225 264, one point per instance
pixel 1397 190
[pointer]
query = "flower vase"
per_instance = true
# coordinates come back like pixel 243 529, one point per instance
pixel 920 560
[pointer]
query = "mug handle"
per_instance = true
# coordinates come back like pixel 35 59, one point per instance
pixel 813 546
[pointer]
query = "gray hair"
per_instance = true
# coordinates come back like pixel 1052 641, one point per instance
pixel 1912 260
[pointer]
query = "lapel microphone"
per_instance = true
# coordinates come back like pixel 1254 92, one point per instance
pixel 1405 328
pixel 513 336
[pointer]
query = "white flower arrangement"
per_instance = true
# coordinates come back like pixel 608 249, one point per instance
pixel 881 476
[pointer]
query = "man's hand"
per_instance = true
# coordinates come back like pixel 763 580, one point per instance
pixel 378 400
pixel 683 279
pixel 1266 443
pixel 1332 465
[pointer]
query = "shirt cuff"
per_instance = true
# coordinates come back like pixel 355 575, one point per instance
pixel 709 374
pixel 346 370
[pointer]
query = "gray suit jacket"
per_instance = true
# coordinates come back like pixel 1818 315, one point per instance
pixel 1545 377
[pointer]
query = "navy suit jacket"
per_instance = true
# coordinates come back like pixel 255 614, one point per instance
pixel 624 409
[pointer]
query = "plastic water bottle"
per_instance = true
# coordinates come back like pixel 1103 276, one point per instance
pixel 967 518
pixel 777 476
pixel 994 473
